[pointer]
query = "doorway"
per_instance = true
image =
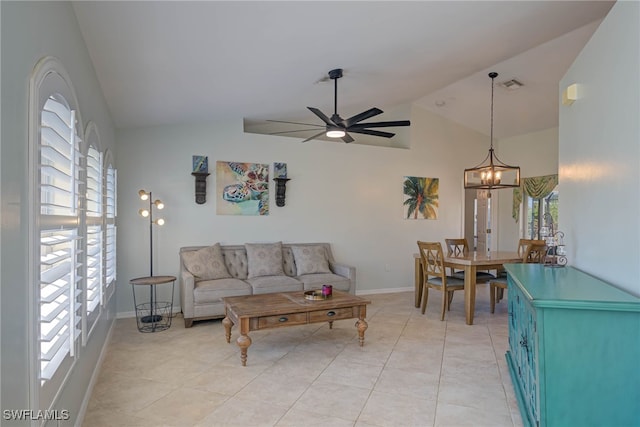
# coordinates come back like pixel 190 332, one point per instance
pixel 478 220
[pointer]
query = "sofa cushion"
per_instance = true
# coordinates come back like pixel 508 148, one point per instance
pixel 269 284
pixel 208 291
pixel 315 281
pixel 288 262
pixel 310 259
pixel 264 259
pixel 206 263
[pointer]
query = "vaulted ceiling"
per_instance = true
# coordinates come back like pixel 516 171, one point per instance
pixel 163 62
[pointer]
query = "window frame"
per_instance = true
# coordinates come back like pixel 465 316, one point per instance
pixel 110 214
pixel 526 201
pixel 48 78
pixel 93 219
pixel 75 207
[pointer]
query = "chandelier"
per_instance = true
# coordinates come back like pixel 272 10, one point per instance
pixel 491 173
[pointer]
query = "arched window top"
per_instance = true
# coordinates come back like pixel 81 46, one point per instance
pixel 92 137
pixel 50 85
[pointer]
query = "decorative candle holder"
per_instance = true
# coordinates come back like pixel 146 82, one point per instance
pixel 201 187
pixel 556 250
pixel 281 188
pixel 200 172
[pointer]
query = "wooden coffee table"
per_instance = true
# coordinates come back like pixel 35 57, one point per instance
pixel 276 310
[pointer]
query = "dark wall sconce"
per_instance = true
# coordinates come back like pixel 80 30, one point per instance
pixel 280 173
pixel 281 188
pixel 201 186
pixel 201 172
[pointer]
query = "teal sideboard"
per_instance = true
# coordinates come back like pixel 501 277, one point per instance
pixel 574 348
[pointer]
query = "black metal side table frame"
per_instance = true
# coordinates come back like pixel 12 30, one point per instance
pixel 153 316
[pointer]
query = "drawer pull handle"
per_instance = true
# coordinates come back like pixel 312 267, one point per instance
pixel 331 313
pixel 523 342
pixel 283 319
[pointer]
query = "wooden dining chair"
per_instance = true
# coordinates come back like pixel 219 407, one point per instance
pixel 524 243
pixel 434 275
pixel 534 253
pixel 460 247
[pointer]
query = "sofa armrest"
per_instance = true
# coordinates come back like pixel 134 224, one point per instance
pixel 345 271
pixel 187 285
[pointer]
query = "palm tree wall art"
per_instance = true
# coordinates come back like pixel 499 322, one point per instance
pixel 420 197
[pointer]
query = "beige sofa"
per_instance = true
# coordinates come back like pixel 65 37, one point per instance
pixel 209 273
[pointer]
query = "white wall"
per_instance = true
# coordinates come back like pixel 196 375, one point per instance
pixel 346 194
pixel 600 152
pixel 537 154
pixel 30 31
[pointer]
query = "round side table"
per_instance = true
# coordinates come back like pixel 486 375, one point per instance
pixel 154 315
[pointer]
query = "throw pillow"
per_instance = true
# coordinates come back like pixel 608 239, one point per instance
pixel 264 259
pixel 206 263
pixel 310 259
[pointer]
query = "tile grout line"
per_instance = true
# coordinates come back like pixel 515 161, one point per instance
pixel 404 327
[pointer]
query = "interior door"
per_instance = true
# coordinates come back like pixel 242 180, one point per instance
pixel 482 223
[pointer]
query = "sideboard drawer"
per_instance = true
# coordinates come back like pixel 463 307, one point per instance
pixel 329 315
pixel 282 320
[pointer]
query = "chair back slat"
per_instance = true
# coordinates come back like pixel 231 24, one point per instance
pixel 523 245
pixel 457 247
pixel 432 259
pixel 535 252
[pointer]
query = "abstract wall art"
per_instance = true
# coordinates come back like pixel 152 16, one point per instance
pixel 420 197
pixel 242 188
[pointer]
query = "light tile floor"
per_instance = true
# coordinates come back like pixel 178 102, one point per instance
pixel 413 370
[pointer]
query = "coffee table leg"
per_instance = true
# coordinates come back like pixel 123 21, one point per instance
pixel 243 342
pixel 227 328
pixel 331 324
pixel 362 326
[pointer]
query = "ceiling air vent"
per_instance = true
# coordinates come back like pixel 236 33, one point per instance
pixel 512 84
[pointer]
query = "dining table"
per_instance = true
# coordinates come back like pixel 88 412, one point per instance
pixel 470 263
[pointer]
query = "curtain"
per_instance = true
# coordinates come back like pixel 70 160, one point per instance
pixel 536 187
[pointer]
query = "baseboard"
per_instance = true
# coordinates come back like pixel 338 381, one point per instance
pixel 94 377
pixel 384 291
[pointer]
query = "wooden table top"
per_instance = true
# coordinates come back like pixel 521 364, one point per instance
pixel 482 258
pixel 288 302
pixel 152 280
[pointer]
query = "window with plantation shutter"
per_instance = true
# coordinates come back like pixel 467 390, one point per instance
pixel 72 233
pixel 94 235
pixel 61 250
pixel 110 234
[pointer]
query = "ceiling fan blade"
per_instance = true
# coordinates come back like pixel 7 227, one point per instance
pixel 373 132
pixel 292 131
pixel 295 123
pixel 396 123
pixel 322 116
pixel 314 136
pixel 362 116
pixel 347 138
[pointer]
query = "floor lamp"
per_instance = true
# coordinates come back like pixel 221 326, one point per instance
pixel 148 213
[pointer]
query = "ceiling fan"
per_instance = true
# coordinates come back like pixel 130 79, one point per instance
pixel 337 127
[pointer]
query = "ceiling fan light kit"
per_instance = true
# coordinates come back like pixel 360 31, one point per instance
pixel 491 173
pixel 335 133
